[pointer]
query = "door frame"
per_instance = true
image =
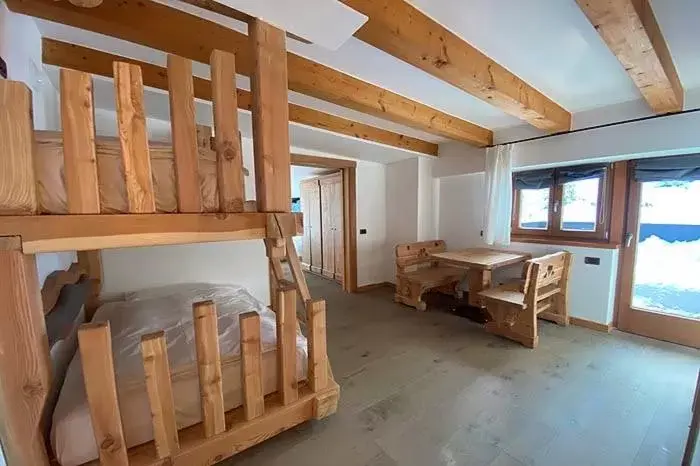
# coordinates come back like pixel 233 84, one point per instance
pixel 348 169
pixel 659 326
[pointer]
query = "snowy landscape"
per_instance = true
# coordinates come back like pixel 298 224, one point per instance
pixel 667 270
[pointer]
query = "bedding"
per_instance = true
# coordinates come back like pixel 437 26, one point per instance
pixel 62 324
pixel 168 309
pixel 52 195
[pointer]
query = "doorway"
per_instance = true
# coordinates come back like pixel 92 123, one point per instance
pixel 660 264
pixel 328 200
pixel 322 247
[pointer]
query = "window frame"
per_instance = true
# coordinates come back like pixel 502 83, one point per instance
pixel 554 229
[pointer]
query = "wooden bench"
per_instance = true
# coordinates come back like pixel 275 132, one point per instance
pixel 417 272
pixel 515 307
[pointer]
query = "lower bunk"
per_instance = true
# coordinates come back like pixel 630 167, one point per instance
pixel 190 375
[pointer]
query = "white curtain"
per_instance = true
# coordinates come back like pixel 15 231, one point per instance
pixel 499 195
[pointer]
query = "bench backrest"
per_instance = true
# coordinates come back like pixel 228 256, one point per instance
pixel 546 274
pixel 414 256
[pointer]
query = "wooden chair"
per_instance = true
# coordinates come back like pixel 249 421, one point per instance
pixel 515 307
pixel 417 272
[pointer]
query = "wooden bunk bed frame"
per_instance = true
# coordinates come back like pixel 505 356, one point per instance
pixel 25 371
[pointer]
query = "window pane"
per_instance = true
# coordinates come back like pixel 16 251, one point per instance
pixel 579 210
pixel 534 209
pixel 667 265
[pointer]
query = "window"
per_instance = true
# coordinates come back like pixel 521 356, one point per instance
pixel 534 209
pixel 569 202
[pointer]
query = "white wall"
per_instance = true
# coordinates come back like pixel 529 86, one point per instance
pixel 240 262
pixel 20 47
pixel 371 197
pixel 298 174
pixel 592 288
pixel 461 210
pixel 457 158
pixel 401 209
pixel 427 227
pixel 670 135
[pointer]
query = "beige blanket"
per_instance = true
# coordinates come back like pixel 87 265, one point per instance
pixel 51 181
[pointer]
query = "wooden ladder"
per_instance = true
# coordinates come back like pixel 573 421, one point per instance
pixel 281 250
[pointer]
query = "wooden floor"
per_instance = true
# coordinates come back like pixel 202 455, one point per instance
pixel 433 389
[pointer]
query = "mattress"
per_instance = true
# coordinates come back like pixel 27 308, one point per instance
pixel 52 197
pixel 169 309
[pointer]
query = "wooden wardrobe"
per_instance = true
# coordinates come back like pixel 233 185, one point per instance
pixel 322 245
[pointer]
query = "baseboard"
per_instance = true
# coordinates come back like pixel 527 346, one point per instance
pixel 589 324
pixel 373 286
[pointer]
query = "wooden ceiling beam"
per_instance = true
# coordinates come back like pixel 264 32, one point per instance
pixel 132 20
pixel 99 63
pixel 631 31
pixel 401 30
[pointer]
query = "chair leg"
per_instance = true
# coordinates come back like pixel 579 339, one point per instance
pixel 562 309
pixel 410 294
pixel 513 323
pixel 417 297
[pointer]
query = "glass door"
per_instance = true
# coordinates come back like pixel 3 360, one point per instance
pixel 660 273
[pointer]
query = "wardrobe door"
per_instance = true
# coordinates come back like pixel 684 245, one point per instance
pixel 338 240
pixel 306 189
pixel 315 228
pixel 327 227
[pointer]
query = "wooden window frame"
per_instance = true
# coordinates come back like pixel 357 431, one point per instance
pixel 554 233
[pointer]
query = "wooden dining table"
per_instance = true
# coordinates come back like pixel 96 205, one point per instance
pixel 478 264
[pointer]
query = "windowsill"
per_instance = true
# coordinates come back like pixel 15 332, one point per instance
pixel 564 242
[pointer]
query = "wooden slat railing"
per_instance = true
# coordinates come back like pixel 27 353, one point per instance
pixel 154 352
pixel 251 366
pixel 286 345
pixel 79 152
pixel 206 335
pixel 228 148
pixel 318 360
pixel 95 342
pixel 131 121
pixel 319 393
pixel 184 134
pixel 18 181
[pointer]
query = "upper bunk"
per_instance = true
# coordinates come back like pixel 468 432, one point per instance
pixel 72 190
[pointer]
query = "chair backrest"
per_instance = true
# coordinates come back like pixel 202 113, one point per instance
pixel 414 256
pixel 545 274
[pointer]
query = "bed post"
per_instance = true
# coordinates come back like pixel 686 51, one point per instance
pixel 270 132
pixel 270 118
pixel 25 371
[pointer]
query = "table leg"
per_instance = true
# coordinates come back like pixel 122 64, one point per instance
pixel 479 280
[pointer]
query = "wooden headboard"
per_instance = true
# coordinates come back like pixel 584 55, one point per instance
pixel 55 282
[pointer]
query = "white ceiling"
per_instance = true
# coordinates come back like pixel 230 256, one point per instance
pixel 548 43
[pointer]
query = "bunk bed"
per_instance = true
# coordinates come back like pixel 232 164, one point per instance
pixel 73 191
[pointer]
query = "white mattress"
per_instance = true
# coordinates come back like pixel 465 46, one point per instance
pixel 168 309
